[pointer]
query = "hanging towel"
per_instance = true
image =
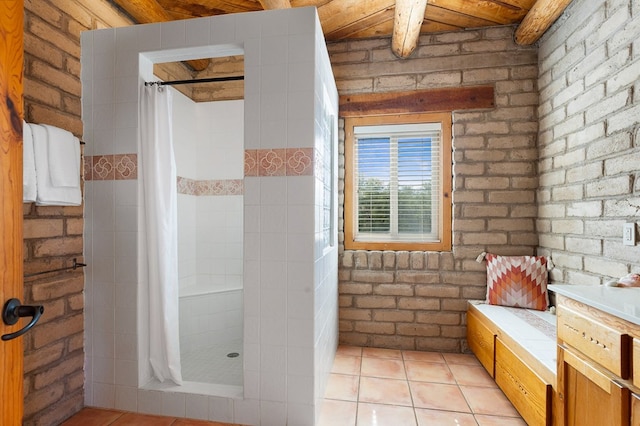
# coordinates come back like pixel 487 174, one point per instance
pixel 29 188
pixel 64 156
pixel 48 194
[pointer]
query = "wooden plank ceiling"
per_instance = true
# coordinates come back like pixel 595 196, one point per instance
pixel 345 19
pixel 401 20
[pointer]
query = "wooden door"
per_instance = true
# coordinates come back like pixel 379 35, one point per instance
pixel 11 113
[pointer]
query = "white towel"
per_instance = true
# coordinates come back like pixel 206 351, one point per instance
pixel 48 194
pixel 29 188
pixel 64 157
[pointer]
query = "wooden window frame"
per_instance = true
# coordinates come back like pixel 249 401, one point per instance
pixel 446 178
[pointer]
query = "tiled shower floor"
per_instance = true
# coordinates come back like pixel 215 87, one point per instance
pixel 212 365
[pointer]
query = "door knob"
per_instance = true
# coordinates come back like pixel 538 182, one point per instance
pixel 13 311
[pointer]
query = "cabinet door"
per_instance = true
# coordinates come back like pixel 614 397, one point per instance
pixel 528 393
pixel 635 409
pixel 481 341
pixel 591 395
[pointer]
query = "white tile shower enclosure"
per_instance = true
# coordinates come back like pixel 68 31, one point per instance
pixel 209 149
pixel 290 276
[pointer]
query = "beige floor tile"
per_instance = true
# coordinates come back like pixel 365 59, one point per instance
pixel 461 359
pixel 438 396
pixel 385 415
pixel 422 356
pixel 383 367
pixel 338 413
pixel 343 364
pixel 349 350
pixel 443 418
pixel 381 353
pixel 343 387
pixel 484 400
pixel 484 420
pixel 471 375
pixel 93 417
pixel 384 391
pixel 429 372
pixel 135 419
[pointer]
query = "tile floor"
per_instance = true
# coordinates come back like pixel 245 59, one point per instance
pixel 381 387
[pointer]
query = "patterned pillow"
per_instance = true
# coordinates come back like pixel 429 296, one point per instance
pixel 519 281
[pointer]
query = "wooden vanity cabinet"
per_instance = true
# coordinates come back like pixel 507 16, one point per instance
pixel 635 409
pixel 591 395
pixel 594 367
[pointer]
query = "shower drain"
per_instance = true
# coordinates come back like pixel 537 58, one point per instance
pixel 233 355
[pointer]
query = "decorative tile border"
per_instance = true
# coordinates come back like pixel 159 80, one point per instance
pixel 278 162
pixel 210 187
pixel 257 162
pixel 111 167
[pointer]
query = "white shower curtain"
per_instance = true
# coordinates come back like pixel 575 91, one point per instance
pixel 160 228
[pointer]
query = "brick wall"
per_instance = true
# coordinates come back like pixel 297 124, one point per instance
pixel 54 356
pixel 417 300
pixel 589 140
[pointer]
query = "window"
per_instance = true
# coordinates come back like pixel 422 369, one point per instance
pixel 398 182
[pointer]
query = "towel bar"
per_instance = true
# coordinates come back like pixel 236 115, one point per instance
pixel 75 266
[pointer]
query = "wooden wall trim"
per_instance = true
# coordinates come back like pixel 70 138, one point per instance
pixel 11 114
pixel 417 101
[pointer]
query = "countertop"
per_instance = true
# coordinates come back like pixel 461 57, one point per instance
pixel 622 302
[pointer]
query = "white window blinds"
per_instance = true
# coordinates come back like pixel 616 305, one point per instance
pixel 397 182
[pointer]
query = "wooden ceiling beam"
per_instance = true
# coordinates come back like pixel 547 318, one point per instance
pixel 150 11
pixel 408 18
pixel 275 4
pixel 539 19
pixel 417 101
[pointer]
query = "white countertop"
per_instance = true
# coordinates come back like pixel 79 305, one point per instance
pixel 623 302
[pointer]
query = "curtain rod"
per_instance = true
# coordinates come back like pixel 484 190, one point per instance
pixel 201 80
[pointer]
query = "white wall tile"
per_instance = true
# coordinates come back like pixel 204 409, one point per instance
pixel 300 247
pixel 173 34
pixel 126 373
pixel 273 413
pixel 173 404
pixel 126 347
pixel 104 395
pixel 126 115
pixel 274 50
pixel 300 388
pixel 273 191
pixel 248 27
pixel 197 407
pixel 149 37
pixel 222 409
pixel 273 101
pixel 223 30
pixel 274 134
pixel 126 398
pixel 273 246
pixel 274 24
pixel 149 402
pixel 273 386
pixel 127 65
pixel 197 32
pixel 104 90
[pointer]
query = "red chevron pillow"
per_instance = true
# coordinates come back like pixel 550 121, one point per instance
pixel 519 281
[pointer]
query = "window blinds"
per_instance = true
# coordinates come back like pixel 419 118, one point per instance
pixel 397 182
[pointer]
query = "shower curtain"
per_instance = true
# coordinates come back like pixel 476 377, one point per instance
pixel 160 228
